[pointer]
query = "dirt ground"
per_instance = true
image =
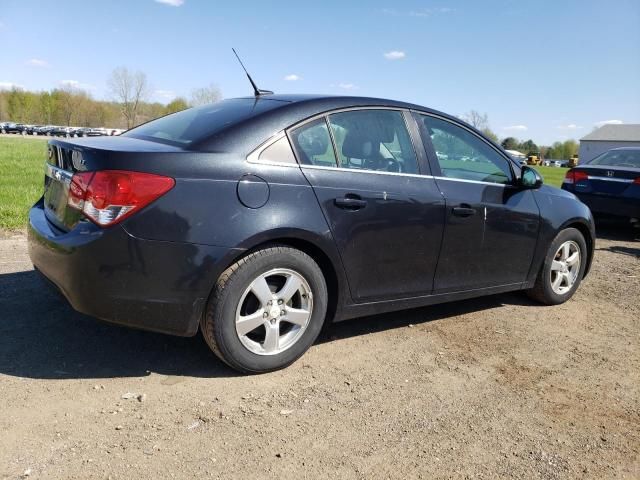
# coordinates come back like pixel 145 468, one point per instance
pixel 497 387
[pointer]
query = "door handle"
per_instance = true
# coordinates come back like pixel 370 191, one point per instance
pixel 350 203
pixel 464 211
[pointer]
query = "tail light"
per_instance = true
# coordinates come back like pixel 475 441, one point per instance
pixel 107 197
pixel 575 176
pixel 636 181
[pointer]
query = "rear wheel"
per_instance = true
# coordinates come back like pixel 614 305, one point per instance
pixel 266 310
pixel 562 270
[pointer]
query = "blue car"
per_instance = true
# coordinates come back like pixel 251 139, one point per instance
pixel 609 184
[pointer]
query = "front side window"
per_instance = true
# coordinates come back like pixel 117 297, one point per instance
pixel 312 144
pixel 463 155
pixel 373 140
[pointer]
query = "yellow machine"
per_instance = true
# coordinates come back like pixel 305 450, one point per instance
pixel 573 161
pixel 533 160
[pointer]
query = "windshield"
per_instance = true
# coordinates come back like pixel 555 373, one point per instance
pixel 618 158
pixel 195 124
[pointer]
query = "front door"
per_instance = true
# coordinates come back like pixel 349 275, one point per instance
pixel 386 218
pixel 491 225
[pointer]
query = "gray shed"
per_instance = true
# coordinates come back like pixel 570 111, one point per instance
pixel 608 137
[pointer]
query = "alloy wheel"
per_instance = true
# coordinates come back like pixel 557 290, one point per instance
pixel 565 267
pixel 274 311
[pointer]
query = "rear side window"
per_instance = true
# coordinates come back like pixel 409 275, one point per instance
pixel 312 143
pixel 618 158
pixel 373 140
pixel 196 124
pixel 278 152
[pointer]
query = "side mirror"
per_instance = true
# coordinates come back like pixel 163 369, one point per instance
pixel 530 178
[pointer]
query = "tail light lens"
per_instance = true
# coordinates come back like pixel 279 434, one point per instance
pixel 109 196
pixel 575 176
pixel 636 181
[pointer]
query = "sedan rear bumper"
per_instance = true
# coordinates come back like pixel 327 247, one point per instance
pixel 114 276
pixel 624 207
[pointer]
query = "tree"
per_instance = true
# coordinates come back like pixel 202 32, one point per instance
pixel 176 105
pixel 490 134
pixel 529 148
pixel 204 95
pixel 477 120
pixel 129 89
pixel 510 143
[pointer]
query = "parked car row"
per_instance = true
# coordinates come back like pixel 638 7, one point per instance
pixel 57 131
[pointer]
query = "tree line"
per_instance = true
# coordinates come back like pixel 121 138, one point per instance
pixel 128 103
pixel 558 151
pixel 128 106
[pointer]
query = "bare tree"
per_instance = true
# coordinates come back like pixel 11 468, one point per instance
pixel 129 89
pixel 204 95
pixel 476 119
pixel 71 102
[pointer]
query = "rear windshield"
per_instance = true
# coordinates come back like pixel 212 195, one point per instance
pixel 195 124
pixel 618 158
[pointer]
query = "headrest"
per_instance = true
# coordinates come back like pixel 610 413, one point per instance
pixel 313 141
pixel 357 145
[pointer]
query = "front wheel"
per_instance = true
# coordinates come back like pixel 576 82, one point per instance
pixel 562 270
pixel 266 310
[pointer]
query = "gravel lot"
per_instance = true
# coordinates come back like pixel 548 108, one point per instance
pixel 497 387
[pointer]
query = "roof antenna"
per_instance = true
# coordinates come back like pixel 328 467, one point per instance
pixel 256 91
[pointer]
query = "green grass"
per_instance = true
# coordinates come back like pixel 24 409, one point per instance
pixel 21 179
pixel 552 175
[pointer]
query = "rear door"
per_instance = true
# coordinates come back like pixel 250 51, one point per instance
pixel 491 226
pixel 386 218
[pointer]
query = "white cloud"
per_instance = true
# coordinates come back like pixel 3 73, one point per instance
pixel 171 3
pixel 571 126
pixel 347 86
pixel 36 62
pixel 292 78
pixel 10 85
pixel 422 12
pixel 608 122
pixel 76 84
pixel 165 94
pixel 394 55
pixel 516 128
pixel 428 12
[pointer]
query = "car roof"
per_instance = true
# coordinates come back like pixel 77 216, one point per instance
pixel 280 111
pixel 625 148
pixel 345 101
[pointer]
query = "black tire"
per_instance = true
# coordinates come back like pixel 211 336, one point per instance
pixel 218 323
pixel 542 290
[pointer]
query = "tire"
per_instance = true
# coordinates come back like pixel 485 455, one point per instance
pixel 544 290
pixel 233 299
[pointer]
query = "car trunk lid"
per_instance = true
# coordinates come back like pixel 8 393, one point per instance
pixel 605 180
pixel 64 158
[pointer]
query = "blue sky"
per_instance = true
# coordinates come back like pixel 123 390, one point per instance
pixel 546 70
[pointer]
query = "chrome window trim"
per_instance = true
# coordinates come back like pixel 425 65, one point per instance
pixel 253 157
pixel 357 170
pixel 464 180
